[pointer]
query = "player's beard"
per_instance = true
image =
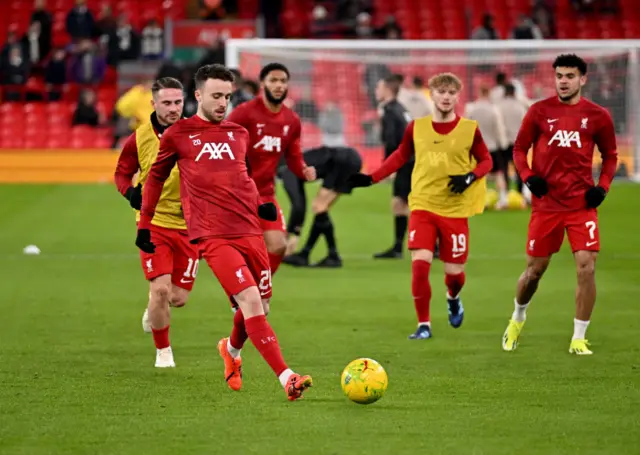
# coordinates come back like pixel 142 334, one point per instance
pixel 568 97
pixel 210 116
pixel 272 99
pixel 168 121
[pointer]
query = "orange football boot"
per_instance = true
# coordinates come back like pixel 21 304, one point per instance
pixel 296 385
pixel 232 366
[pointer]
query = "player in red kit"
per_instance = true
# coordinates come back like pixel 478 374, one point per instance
pixel 220 203
pixel 274 130
pixel 563 130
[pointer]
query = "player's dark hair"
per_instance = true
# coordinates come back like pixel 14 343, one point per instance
pixel 501 78
pixel 215 71
pixel 418 81
pixel 571 61
pixel 264 72
pixel 393 83
pixel 166 82
pixel 237 75
pixel 509 90
pixel 251 86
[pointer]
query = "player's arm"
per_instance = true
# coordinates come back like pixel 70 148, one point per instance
pixel 484 163
pixel 394 162
pixel 158 174
pixel 527 134
pixel 294 159
pixel 127 167
pixel 605 139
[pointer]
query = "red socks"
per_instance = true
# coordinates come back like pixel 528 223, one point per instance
pixel 161 337
pixel 454 284
pixel 274 262
pixel 265 341
pixel 421 289
pixel 239 332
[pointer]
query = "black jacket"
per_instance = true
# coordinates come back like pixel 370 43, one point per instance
pixel 394 121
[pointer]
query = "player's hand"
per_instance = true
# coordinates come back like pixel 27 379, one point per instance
pixel 309 173
pixel 459 183
pixel 537 186
pixel 134 196
pixel 268 211
pixel 594 196
pixel 360 180
pixel 143 241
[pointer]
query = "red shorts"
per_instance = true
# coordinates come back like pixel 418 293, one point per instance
pixel 238 263
pixel 174 256
pixel 546 232
pixel 452 235
pixel 280 224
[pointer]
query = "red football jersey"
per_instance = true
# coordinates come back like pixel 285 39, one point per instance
pixel 563 138
pixel 272 134
pixel 219 199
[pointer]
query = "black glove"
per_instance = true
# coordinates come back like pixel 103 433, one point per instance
pixel 134 196
pixel 594 196
pixel 268 211
pixel 143 241
pixel 537 186
pixel 359 180
pixel 459 183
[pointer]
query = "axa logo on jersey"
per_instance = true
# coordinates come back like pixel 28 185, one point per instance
pixel 566 139
pixel 269 144
pixel 215 151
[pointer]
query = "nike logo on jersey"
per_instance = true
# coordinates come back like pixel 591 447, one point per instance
pixel 457 255
pixel 183 281
pixel 551 120
pixel 591 243
pixel 191 136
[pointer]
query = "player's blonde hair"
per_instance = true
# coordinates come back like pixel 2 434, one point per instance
pixel 445 80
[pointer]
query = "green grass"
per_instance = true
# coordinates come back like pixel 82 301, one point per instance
pixel 77 376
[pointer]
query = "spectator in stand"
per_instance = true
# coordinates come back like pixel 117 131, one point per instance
pixel 12 41
pixel 36 45
pixel 485 31
pixel 526 29
pixel 135 105
pixel 152 47
pixel 80 22
pixel 390 29
pixel 15 73
pixel 41 15
pixel 543 17
pixel 364 26
pixel 321 24
pixel 87 63
pixel 128 40
pixel 86 112
pixel 106 23
pixel 55 75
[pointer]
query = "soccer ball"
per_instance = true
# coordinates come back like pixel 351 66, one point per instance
pixel 364 381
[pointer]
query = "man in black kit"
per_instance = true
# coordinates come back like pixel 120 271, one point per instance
pixel 394 121
pixel 333 165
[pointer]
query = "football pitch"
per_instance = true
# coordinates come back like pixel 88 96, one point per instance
pixel 77 375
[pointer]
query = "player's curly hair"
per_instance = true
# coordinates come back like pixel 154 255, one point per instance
pixel 570 61
pixel 214 71
pixel 264 72
pixel 445 80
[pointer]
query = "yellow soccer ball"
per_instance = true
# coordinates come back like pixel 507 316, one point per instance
pixel 491 199
pixel 515 201
pixel 364 381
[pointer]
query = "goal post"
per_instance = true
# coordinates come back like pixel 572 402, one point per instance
pixel 338 77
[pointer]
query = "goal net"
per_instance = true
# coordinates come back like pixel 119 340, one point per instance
pixel 333 82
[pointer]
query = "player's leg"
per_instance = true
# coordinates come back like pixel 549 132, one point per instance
pixel 275 236
pixel 158 267
pixel 454 251
pixel 185 269
pixel 584 237
pixel 422 240
pixel 242 267
pixel 294 188
pixel 545 236
pixel 322 225
pixel 400 210
pixel 498 174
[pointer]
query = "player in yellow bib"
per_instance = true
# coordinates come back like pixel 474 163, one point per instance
pixel 171 269
pixel 447 187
